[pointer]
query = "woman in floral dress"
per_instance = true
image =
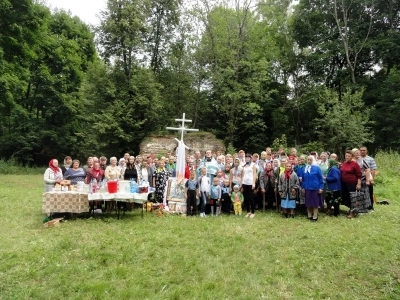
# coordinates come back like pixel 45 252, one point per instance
pixel 160 179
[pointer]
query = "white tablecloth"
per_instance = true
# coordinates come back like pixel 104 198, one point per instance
pixel 127 197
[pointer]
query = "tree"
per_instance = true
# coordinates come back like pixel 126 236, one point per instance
pixel 343 122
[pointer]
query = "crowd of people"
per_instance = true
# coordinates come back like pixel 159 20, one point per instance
pixel 224 184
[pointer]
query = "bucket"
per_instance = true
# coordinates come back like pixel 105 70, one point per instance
pixel 112 186
pixel 124 186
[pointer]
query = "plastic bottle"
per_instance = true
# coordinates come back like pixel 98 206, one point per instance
pixel 132 185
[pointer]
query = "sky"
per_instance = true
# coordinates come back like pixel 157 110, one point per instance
pixel 86 10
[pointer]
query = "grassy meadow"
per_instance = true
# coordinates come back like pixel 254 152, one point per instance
pixel 174 257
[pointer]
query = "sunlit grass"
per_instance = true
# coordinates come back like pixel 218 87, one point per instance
pixel 173 257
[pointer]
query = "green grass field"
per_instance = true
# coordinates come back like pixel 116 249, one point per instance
pixel 173 257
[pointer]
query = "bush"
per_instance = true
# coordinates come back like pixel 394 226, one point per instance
pixel 13 167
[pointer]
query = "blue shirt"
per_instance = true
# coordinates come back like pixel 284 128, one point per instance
pixel 215 192
pixel 192 185
pixel 313 179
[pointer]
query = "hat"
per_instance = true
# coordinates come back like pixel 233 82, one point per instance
pixel 236 186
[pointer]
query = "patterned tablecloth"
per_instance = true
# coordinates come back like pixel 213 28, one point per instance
pixel 76 202
pixel 73 202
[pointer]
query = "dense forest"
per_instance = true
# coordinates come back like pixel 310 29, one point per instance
pixel 322 73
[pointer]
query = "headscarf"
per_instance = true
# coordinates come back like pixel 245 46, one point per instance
pixel 52 167
pixel 288 172
pixel 268 173
pixel 332 164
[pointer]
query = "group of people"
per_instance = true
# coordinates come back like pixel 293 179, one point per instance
pixel 218 183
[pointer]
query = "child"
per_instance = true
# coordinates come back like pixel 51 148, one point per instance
pixel 191 190
pixel 221 177
pixel 204 191
pixel 215 197
pixel 237 200
pixel 226 197
pixel 288 187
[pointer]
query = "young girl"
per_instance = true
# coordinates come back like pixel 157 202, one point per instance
pixel 236 174
pixel 215 197
pixel 237 200
pixel 191 190
pixel 204 182
pixel 226 198
pixel 288 186
pixel 249 176
pixel 221 177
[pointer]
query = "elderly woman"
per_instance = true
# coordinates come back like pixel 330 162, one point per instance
pixel 351 179
pixel 365 180
pixel 267 184
pixel 288 186
pixel 313 186
pixel 75 173
pixel 122 166
pixel 334 187
pixel 299 169
pixel 52 175
pixel 112 171
pixel 94 173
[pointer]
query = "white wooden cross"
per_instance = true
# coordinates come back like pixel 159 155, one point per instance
pixel 182 128
pixel 180 159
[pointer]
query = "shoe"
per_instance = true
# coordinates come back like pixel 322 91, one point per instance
pixel 292 216
pixel 285 215
pixel 314 220
pixel 202 215
pixel 247 215
pixel 309 218
pixel 252 216
pixel 351 216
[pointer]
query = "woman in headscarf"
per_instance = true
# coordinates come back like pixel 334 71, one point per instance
pixel 299 169
pixel 333 188
pixel 52 175
pixel 267 184
pixel 288 186
pixel 313 186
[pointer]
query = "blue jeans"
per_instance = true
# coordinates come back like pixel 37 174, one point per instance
pixel 203 201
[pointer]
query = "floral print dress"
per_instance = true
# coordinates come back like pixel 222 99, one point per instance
pixel 161 179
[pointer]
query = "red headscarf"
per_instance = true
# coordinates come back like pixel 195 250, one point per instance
pixel 288 172
pixel 51 166
pixel 268 172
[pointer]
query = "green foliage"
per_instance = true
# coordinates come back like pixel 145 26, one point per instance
pixel 230 149
pixel 13 167
pixel 343 121
pixel 279 142
pixel 311 146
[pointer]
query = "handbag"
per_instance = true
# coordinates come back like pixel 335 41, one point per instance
pixel 357 200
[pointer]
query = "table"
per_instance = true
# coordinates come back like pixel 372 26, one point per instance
pixel 72 202
pixel 78 202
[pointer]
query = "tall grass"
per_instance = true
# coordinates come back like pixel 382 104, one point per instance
pixel 12 167
pixel 388 171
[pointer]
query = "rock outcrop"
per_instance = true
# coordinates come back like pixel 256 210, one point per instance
pixel 160 145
